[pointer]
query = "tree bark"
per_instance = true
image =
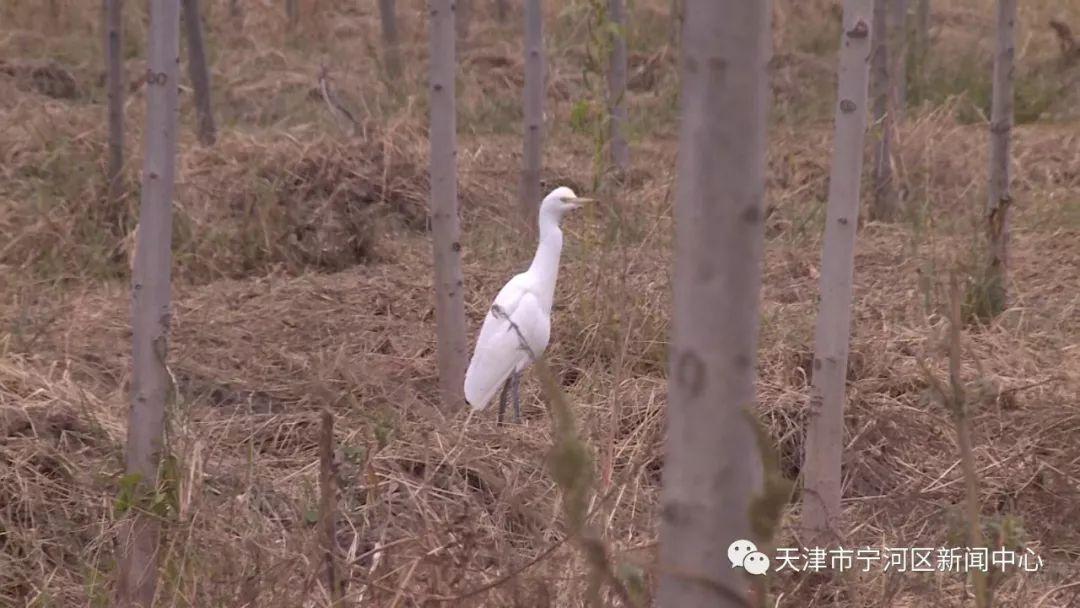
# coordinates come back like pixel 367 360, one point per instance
pixel 328 510
pixel 675 19
pixel 999 203
pixel 150 305
pixel 391 44
pixel 825 428
pixel 922 32
pixel 445 227
pixel 199 73
pixel 532 153
pixel 114 50
pixel 620 150
pixel 463 21
pixel 884 204
pixel 502 10
pixel 898 33
pixel 292 13
pixel 713 465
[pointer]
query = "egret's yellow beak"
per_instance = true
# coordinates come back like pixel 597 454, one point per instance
pixel 579 201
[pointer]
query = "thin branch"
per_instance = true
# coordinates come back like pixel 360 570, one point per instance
pixel 332 101
pixel 327 508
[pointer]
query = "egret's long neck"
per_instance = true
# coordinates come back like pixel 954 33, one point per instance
pixel 545 264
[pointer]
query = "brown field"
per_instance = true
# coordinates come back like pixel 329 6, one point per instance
pixel 303 281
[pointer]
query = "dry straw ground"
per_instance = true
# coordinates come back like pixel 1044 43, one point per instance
pixel 303 282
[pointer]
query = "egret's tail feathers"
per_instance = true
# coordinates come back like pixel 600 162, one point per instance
pixel 477 397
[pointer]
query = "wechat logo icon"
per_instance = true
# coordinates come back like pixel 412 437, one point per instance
pixel 744 554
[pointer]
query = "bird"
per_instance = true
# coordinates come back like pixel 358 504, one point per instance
pixel 517 327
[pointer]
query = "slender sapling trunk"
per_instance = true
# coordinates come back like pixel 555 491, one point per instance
pixel 825 427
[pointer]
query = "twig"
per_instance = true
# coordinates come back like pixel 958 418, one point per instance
pixel 376 555
pixel 517 571
pixel 506 577
pixel 1051 592
pixel 1024 387
pixel 404 582
pixel 1070 50
pixel 336 108
pixel 954 401
pixel 327 510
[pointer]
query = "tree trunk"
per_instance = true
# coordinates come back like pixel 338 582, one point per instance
pixel 884 204
pixel 922 34
pixel 899 44
pixel 712 465
pixel 675 19
pixel 445 227
pixel 198 72
pixel 292 13
pixel 999 203
pixel 620 151
pixel 54 17
pixel 532 153
pixel 150 306
pixel 825 428
pixel 328 510
pixel 391 46
pixel 463 21
pixel 114 50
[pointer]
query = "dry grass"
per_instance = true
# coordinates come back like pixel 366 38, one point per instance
pixel 304 283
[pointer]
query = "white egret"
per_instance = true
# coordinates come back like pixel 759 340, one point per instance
pixel 518 325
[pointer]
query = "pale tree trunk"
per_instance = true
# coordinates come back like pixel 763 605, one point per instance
pixel 922 36
pixel 328 510
pixel 54 16
pixel 825 427
pixel 199 73
pixel 620 150
pixel 898 43
pixel 445 227
pixel 532 152
pixel 675 19
pixel 884 204
pixel 922 22
pixel 292 13
pixel 999 203
pixel 502 11
pixel 713 467
pixel 150 306
pixel 463 21
pixel 391 44
pixel 114 50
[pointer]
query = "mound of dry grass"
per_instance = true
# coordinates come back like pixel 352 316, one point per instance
pixel 245 207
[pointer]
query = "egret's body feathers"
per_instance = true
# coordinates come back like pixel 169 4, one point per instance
pixel 520 317
pixel 499 351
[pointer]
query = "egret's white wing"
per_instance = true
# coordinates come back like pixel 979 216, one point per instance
pixel 498 348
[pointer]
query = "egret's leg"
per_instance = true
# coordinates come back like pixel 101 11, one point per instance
pixel 516 379
pixel 502 400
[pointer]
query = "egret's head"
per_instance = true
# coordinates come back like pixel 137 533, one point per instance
pixel 561 201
